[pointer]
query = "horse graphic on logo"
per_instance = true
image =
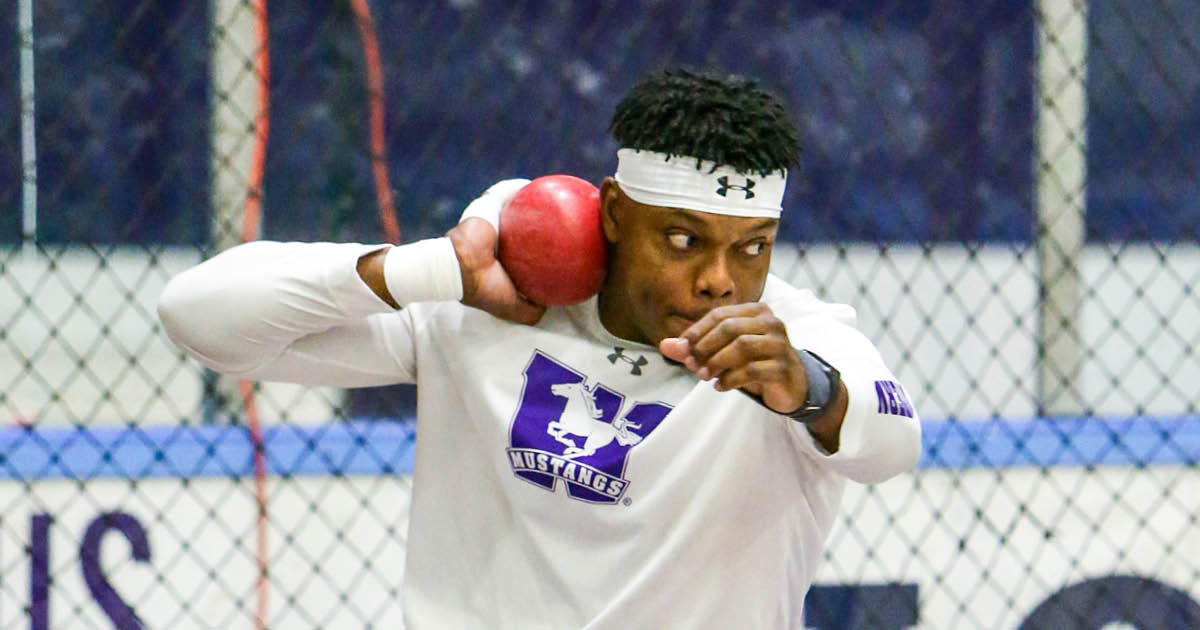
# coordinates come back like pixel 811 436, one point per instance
pixel 583 418
pixel 567 432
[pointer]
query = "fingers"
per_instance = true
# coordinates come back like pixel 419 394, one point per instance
pixel 499 296
pixel 478 236
pixel 523 311
pixel 746 327
pixel 486 285
pixel 741 352
pixel 675 349
pixel 774 377
pixel 718 315
pixel 750 376
pixel 519 309
pixel 744 347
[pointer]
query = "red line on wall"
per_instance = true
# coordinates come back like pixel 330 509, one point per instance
pixel 378 143
pixel 251 229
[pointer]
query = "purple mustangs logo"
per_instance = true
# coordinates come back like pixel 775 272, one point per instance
pixel 581 435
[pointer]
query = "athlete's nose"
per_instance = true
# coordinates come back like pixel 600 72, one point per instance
pixel 714 280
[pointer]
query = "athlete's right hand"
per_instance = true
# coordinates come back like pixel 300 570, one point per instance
pixel 486 285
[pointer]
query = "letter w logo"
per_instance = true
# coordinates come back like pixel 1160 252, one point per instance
pixel 726 187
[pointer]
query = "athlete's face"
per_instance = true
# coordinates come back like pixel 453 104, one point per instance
pixel 668 267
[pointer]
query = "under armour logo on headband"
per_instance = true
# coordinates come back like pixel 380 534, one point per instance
pixel 689 183
pixel 726 187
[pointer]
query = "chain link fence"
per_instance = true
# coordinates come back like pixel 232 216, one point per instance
pixel 1006 192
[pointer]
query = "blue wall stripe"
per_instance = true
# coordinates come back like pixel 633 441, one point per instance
pixel 350 448
pixel 1045 442
pixel 385 447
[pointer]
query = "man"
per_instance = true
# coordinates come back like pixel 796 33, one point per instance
pixel 669 454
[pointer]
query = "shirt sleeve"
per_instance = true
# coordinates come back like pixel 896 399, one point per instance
pixel 294 312
pixel 881 433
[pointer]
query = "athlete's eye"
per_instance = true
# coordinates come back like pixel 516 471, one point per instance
pixel 680 240
pixel 755 248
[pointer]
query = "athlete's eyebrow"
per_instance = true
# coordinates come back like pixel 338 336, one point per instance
pixel 684 216
pixel 689 217
pixel 765 224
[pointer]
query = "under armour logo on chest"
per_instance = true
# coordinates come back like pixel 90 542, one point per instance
pixel 635 364
pixel 726 187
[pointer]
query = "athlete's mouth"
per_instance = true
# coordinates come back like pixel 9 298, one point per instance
pixel 694 316
pixel 686 319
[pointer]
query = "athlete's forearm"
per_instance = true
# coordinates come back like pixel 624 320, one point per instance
pixel 872 432
pixel 370 269
pixel 879 434
pixel 827 428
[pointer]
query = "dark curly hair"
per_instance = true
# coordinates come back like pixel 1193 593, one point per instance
pixel 728 120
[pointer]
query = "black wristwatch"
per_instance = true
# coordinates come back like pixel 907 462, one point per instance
pixel 824 381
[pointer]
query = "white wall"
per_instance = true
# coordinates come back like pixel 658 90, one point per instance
pixel 959 325
pixel 1025 533
pixel 203 567
pixel 82 343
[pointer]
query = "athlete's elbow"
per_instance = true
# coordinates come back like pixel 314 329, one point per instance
pixel 895 451
pixel 909 448
pixel 176 309
pixel 906 447
pixel 187 316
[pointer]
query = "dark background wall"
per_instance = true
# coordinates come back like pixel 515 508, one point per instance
pixel 917 117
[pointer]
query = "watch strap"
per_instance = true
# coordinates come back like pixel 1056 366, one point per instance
pixel 824 381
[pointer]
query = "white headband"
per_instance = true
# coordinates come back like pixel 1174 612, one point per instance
pixel 657 179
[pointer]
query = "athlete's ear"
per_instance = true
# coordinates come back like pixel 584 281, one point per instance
pixel 610 208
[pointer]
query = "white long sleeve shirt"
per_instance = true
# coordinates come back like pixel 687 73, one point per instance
pixel 564 477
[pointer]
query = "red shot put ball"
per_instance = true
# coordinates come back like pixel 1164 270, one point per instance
pixel 551 241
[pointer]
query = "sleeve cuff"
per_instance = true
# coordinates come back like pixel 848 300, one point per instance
pixel 876 441
pixel 424 271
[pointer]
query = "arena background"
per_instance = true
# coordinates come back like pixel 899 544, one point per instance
pixel 1007 193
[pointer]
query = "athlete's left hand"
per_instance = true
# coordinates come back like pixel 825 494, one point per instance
pixel 743 346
